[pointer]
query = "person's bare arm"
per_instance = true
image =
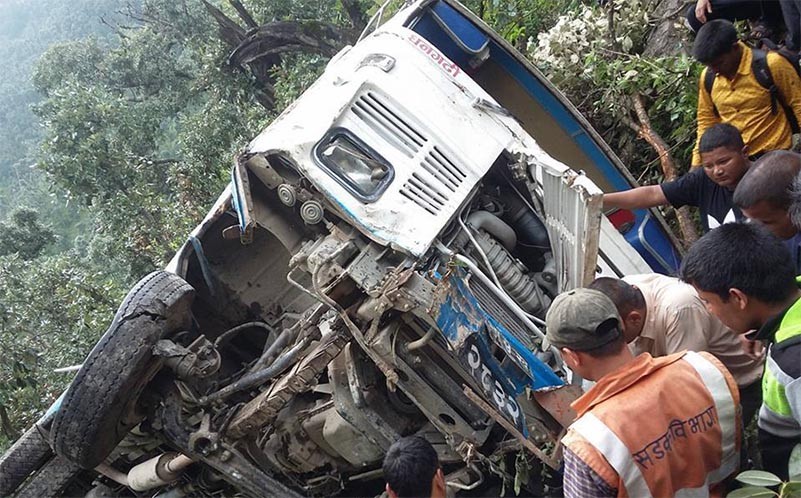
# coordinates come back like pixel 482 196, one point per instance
pixel 702 8
pixel 636 198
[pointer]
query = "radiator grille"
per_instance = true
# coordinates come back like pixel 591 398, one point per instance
pixel 431 186
pixel 436 177
pixel 501 312
pixel 381 116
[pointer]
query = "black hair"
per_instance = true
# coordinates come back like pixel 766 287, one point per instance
pixel 715 38
pixel 409 467
pixel 769 179
pixel 744 256
pixel 614 343
pixel 795 202
pixel 721 135
pixel 611 348
pixel 626 297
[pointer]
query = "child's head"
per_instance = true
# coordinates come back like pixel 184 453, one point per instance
pixel 723 154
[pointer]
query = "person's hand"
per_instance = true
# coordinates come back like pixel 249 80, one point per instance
pixel 752 348
pixel 702 8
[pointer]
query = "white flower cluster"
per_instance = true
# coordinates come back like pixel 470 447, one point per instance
pixel 562 50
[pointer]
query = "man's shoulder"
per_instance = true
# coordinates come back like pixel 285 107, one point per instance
pixel 776 60
pixel 650 279
pixel 785 354
pixel 688 187
pixel 697 176
pixel 667 292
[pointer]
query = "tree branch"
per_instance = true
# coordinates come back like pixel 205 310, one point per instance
pixel 355 13
pixel 5 423
pixel 261 48
pixel 230 32
pixel 665 37
pixel 244 14
pixel 610 7
pixel 645 131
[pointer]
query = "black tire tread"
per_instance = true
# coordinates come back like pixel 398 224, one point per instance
pixel 51 480
pixel 85 429
pixel 24 457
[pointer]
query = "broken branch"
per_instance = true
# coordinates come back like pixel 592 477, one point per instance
pixel 646 132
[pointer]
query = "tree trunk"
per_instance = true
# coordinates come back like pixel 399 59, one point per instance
pixel 357 16
pixel 645 131
pixel 244 14
pixel 670 35
pixel 260 49
pixel 6 426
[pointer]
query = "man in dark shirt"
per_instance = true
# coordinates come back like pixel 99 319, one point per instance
pixel 709 188
pixel 411 469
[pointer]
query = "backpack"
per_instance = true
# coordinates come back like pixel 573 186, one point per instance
pixel 761 70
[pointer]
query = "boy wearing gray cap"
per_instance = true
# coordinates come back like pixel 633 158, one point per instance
pixel 649 426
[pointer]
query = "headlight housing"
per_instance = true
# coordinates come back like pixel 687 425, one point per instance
pixel 355 165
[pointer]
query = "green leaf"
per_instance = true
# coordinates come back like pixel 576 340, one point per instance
pixel 758 478
pixel 790 490
pixel 794 465
pixel 751 492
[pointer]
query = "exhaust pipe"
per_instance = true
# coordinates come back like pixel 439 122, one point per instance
pixel 156 472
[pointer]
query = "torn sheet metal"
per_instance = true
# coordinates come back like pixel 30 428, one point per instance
pixel 472 332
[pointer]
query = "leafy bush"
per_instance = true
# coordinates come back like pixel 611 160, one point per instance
pixel 601 66
pixel 52 310
pixel 758 482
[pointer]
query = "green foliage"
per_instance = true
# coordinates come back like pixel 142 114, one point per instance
pixel 751 492
pixel 52 311
pixel 600 66
pixel 522 472
pixel 794 464
pixel 758 481
pixel 134 133
pixel 27 28
pixel 22 233
pixel 758 478
pixel 295 75
pixel 290 10
pixel 518 20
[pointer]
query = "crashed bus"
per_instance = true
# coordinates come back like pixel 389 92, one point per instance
pixel 379 266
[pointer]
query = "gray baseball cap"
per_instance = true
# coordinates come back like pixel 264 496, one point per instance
pixel 581 319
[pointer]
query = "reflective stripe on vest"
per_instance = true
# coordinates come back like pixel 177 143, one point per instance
pixel 790 325
pixel 775 414
pixel 616 453
pixel 600 436
pixel 727 415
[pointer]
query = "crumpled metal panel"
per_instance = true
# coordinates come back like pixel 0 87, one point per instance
pixel 471 331
pixel 572 207
pixel 419 115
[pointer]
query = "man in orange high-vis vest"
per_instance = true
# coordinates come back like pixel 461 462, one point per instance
pixel 666 426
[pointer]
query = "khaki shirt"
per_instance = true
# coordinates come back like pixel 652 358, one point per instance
pixel 676 319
